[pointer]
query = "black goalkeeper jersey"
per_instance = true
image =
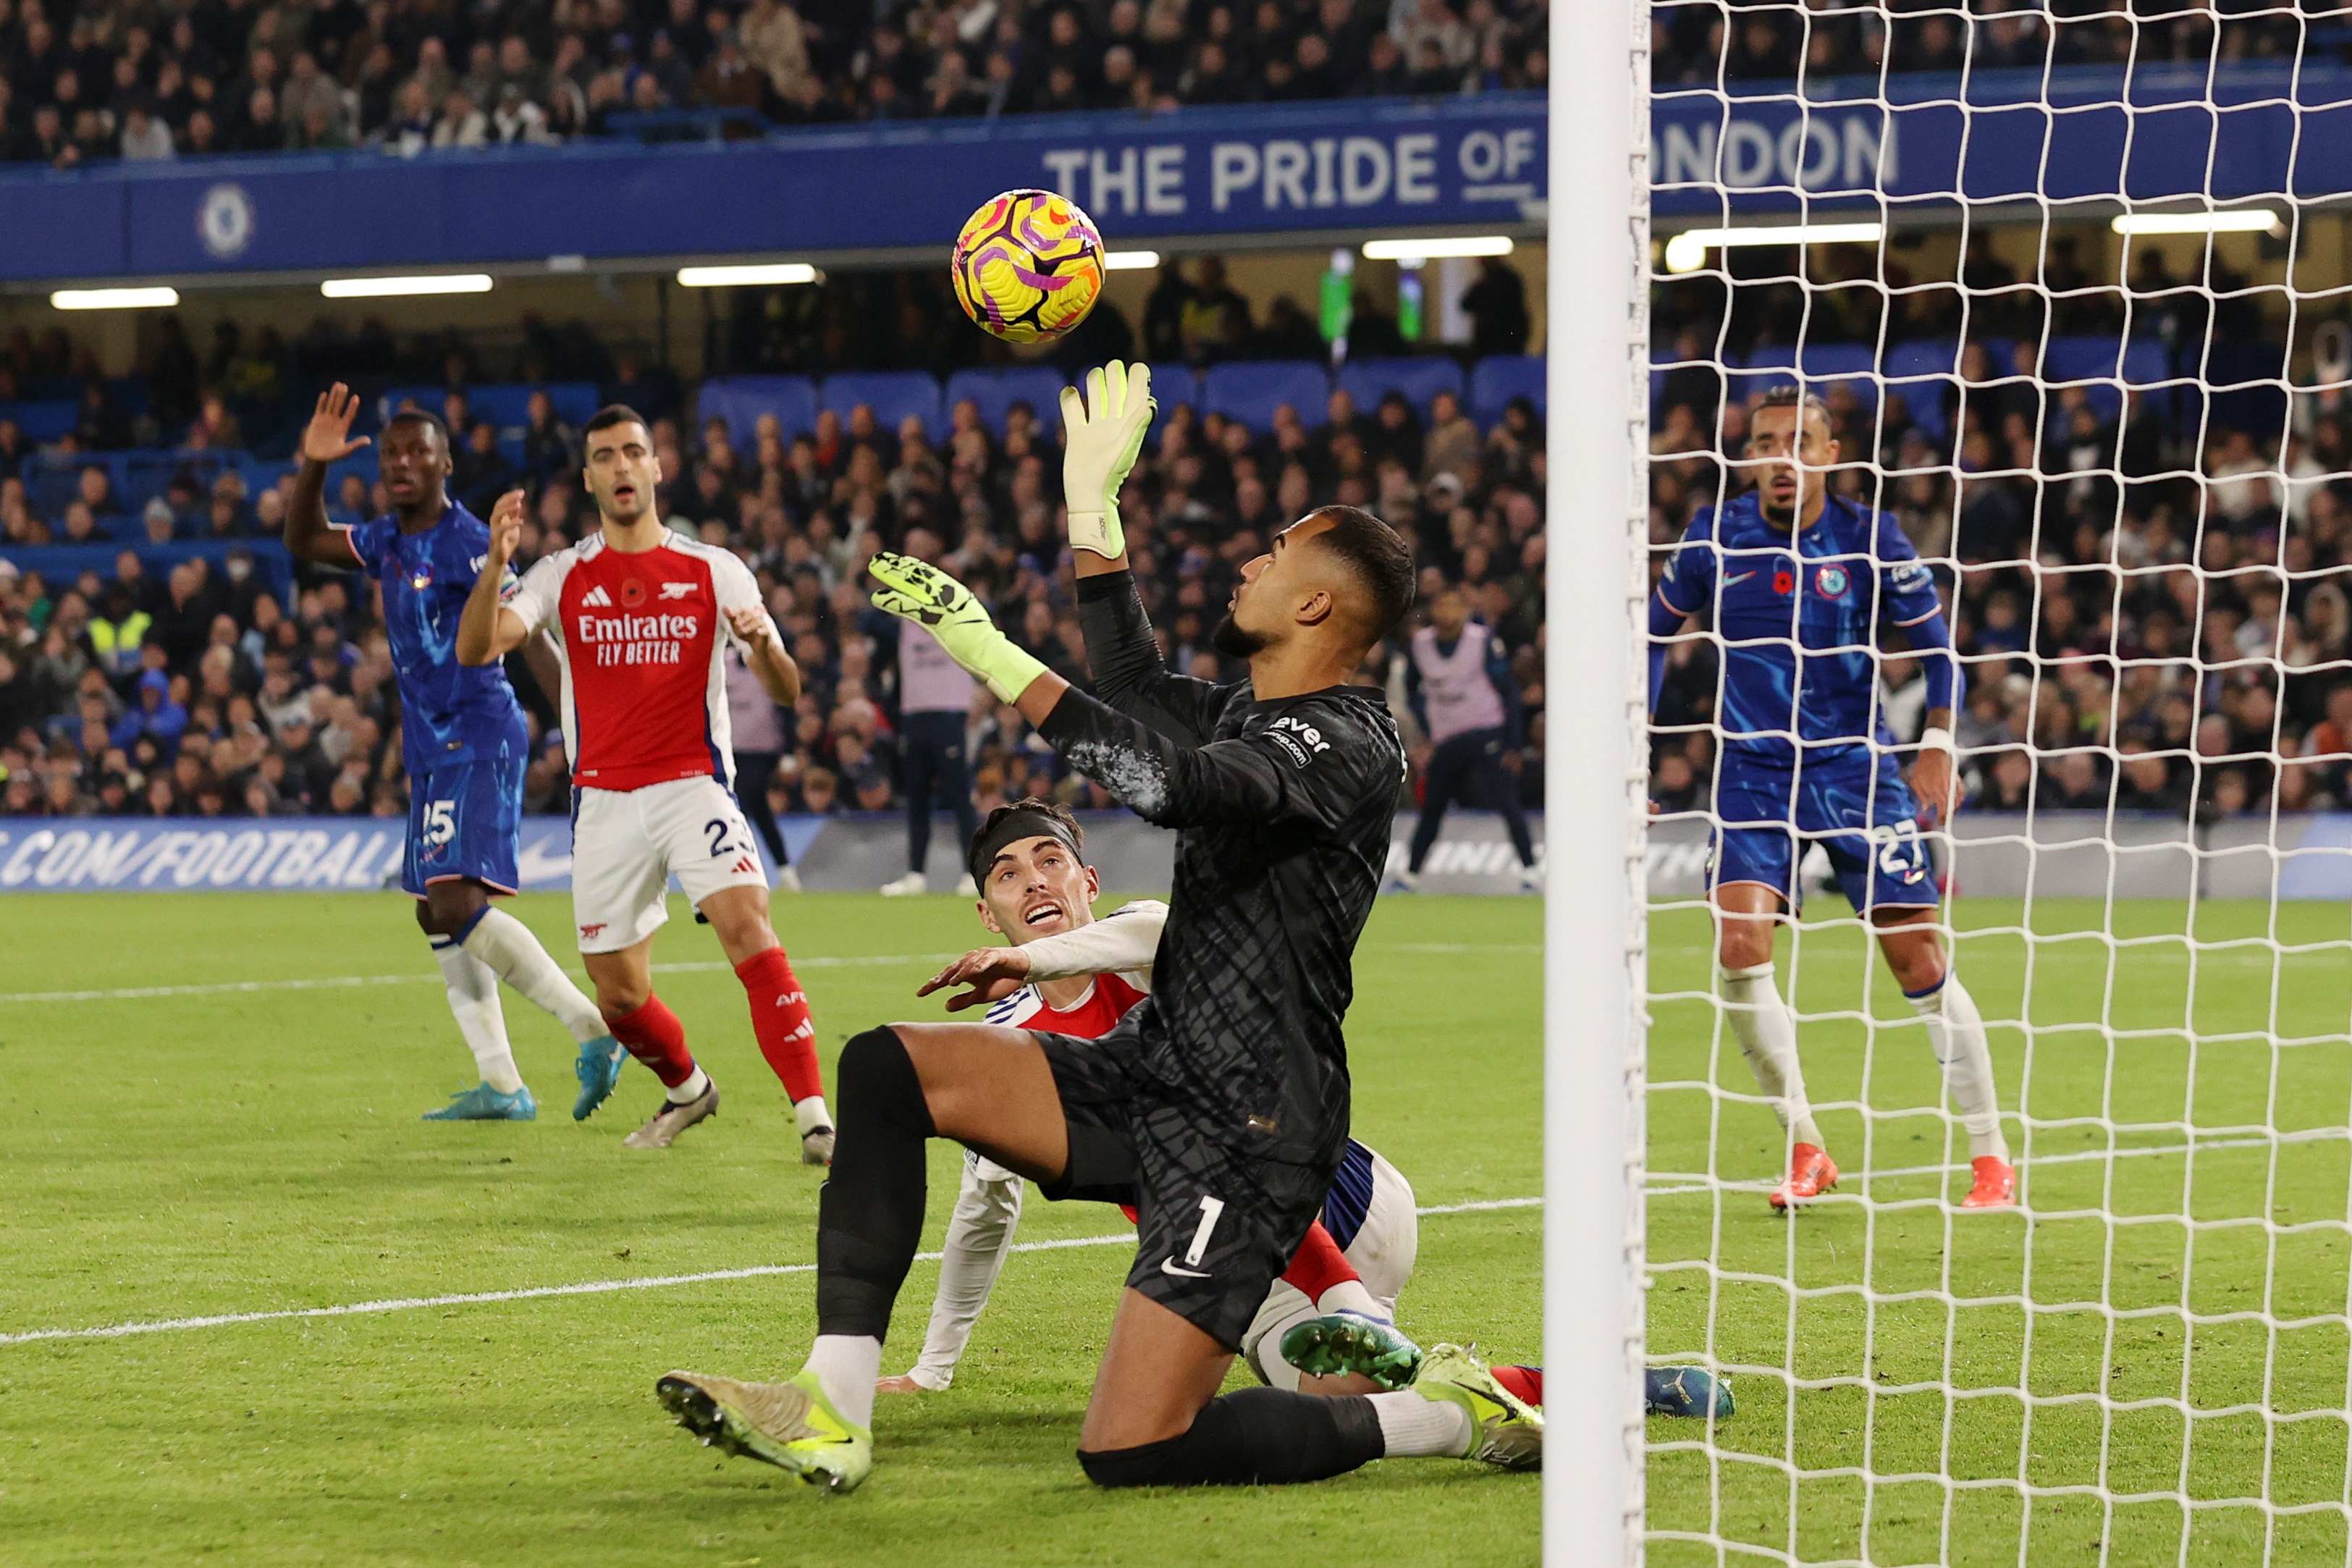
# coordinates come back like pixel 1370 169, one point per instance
pixel 1284 810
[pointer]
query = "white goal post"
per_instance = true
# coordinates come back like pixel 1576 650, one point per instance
pixel 1594 676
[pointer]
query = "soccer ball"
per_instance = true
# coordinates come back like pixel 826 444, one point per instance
pixel 1028 266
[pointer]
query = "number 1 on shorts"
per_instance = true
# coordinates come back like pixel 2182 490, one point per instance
pixel 1211 1209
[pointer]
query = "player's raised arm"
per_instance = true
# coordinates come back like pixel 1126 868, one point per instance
pixel 326 439
pixel 490 629
pixel 1103 432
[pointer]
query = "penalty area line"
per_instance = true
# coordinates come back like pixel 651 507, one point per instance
pixel 587 1288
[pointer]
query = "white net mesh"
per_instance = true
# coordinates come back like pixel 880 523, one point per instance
pixel 2118 438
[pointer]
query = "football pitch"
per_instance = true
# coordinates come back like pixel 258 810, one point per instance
pixel 178 1149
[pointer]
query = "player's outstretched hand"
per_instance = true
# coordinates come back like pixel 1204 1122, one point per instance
pixel 1105 430
pixel 915 591
pixel 1938 783
pixel 992 973
pixel 506 531
pixel 328 437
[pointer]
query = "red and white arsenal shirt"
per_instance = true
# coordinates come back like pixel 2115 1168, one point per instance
pixel 644 687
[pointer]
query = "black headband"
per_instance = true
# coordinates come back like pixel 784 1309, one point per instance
pixel 1012 829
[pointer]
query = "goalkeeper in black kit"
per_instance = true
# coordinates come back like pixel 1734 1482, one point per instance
pixel 1218 1106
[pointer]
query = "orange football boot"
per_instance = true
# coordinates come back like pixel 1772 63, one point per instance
pixel 1996 1184
pixel 1812 1173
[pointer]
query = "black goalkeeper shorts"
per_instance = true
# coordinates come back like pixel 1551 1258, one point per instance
pixel 1216 1224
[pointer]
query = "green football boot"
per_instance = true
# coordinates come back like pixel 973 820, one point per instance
pixel 1353 1341
pixel 790 1425
pixel 1504 1430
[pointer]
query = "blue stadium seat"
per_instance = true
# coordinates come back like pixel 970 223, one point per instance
pixel 2106 362
pixel 1498 378
pixel 892 395
pixel 1250 391
pixel 45 420
pixel 741 400
pixel 1173 382
pixel 994 391
pixel 1420 379
pixel 1922 370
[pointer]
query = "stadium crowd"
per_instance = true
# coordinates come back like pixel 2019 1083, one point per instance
pixel 211 689
pixel 141 80
pixel 2148 598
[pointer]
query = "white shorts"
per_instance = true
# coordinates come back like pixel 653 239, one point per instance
pixel 626 843
pixel 1381 1252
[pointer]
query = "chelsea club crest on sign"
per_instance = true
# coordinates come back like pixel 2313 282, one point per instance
pixel 1831 582
pixel 225 220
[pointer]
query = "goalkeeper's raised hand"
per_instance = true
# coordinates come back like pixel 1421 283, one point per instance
pixel 1105 430
pixel 922 594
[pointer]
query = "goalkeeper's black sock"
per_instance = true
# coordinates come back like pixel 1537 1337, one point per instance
pixel 870 1210
pixel 1250 1437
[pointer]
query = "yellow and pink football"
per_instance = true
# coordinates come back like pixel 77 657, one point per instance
pixel 1028 266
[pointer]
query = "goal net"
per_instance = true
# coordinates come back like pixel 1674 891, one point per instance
pixel 2070 281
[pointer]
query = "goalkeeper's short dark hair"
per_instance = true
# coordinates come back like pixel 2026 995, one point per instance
pixel 1381 560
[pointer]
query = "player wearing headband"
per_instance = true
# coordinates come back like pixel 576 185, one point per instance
pixel 1068 971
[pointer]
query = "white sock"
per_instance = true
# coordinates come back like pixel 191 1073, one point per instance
pixel 1767 1032
pixel 811 1114
pixel 1416 1427
pixel 474 999
pixel 506 944
pixel 1956 1033
pixel 845 1367
pixel 692 1088
pixel 1350 1296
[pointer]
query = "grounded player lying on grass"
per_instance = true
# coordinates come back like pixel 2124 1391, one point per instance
pixel 464 745
pixel 1328 1324
pixel 642 615
pixel 1219 1105
pixel 1796 582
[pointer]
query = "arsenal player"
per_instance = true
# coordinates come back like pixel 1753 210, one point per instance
pixel 643 615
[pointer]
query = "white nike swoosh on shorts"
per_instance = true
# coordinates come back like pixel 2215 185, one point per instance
pixel 1743 577
pixel 1169 1266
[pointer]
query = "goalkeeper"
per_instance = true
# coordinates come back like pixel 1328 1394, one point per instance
pixel 1217 1105
pixel 1797 583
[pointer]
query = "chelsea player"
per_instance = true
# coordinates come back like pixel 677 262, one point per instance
pixel 1797 583
pixel 463 743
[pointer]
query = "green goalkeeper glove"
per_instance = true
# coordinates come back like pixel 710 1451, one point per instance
pixel 1105 430
pixel 946 608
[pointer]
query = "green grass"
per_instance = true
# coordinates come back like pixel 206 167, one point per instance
pixel 174 1156
pixel 1869 1311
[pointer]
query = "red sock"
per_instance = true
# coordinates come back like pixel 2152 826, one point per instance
pixel 782 1021
pixel 1318 1264
pixel 1522 1382
pixel 657 1038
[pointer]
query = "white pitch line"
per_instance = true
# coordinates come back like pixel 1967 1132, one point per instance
pixel 590 1288
pixel 345 982
pixel 2080 1156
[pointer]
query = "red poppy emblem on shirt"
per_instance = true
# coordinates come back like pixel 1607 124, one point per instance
pixel 1784 581
pixel 633 593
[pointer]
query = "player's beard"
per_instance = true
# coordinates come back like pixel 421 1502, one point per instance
pixel 1231 640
